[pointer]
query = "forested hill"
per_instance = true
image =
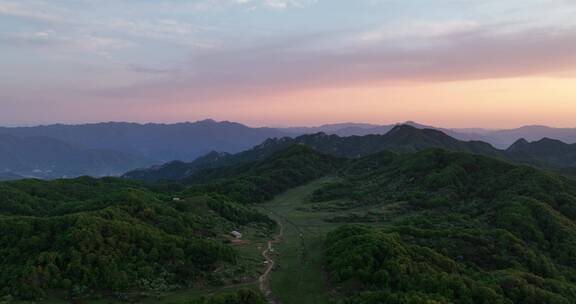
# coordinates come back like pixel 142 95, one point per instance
pixel 546 152
pixel 403 138
pixel 91 236
pixel 434 227
pixel 452 228
pixel 259 181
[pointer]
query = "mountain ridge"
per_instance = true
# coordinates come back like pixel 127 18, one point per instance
pixel 546 153
pixel 501 138
pixel 160 142
pixel 187 141
pixel 401 138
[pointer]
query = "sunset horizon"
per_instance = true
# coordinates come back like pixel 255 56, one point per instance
pixel 452 63
pixel 432 124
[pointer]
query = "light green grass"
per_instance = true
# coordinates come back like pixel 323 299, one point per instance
pixel 299 277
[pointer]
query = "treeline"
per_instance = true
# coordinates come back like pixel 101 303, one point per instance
pixel 260 181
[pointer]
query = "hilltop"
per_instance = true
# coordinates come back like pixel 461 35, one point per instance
pixel 546 152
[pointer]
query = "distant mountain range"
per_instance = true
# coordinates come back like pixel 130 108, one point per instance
pixel 54 151
pixel 546 153
pixel 160 142
pixel 402 138
pixel 45 157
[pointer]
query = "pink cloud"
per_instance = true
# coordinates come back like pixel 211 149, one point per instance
pixel 471 55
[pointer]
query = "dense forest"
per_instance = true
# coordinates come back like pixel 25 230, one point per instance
pixel 439 227
pixel 109 235
pixel 464 229
pixel 242 296
pixel 88 235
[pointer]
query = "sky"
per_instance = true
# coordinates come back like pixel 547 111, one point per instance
pixel 451 63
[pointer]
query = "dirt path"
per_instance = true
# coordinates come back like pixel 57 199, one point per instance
pixel 264 279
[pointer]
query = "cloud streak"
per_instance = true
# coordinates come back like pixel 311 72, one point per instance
pixel 275 68
pixel 17 10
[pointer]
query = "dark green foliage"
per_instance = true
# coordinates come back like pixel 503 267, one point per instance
pixel 242 296
pixel 86 235
pixel 547 152
pixel 259 181
pixel 474 230
pixel 238 213
pixel 109 234
pixel 464 229
pixel 389 270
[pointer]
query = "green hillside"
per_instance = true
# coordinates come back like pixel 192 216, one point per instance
pixel 456 228
pixel 426 227
pixel 546 152
pixel 110 236
pixel 101 236
pixel 257 182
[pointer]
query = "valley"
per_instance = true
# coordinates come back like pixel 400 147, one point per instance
pixel 432 225
pixel 299 277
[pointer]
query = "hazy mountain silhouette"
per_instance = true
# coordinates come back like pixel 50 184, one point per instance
pixel 45 157
pixel 137 143
pixel 361 129
pixel 499 138
pixel 505 138
pixel 161 142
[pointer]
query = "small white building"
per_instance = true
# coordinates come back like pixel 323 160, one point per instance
pixel 236 234
pixel 176 199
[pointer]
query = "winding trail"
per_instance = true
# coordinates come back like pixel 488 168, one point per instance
pixel 264 279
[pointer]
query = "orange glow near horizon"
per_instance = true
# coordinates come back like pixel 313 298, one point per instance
pixel 494 103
